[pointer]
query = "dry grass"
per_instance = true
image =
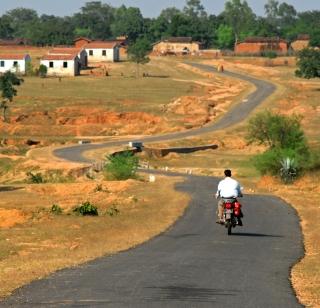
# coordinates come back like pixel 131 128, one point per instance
pixel 41 242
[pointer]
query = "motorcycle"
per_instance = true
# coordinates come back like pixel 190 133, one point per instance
pixel 232 214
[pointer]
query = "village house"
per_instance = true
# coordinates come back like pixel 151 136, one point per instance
pixel 102 51
pixel 16 63
pixel 300 43
pixel 80 42
pixel 80 52
pixel 176 45
pixel 62 65
pixel 259 45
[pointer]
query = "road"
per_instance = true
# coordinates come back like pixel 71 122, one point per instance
pixel 237 114
pixel 195 263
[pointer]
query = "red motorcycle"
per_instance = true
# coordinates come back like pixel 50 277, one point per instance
pixel 232 214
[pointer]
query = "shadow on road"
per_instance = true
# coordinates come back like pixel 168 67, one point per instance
pixel 9 188
pixel 256 234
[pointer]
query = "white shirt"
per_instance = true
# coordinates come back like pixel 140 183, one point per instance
pixel 229 188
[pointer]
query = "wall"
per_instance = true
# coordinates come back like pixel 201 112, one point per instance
pixel 21 68
pixel 112 55
pixel 163 47
pixel 59 70
pixel 257 48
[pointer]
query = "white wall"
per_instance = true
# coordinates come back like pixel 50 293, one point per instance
pixel 59 70
pixel 8 65
pixel 112 55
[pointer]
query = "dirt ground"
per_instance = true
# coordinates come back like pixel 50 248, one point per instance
pixel 35 242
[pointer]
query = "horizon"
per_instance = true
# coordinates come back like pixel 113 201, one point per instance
pixel 147 7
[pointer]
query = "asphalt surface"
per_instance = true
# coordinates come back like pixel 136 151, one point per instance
pixel 194 264
pixel 237 114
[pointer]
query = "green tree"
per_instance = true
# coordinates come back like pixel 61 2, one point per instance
pixel 7 82
pixel 138 52
pixel 225 36
pixel 194 9
pixel 308 63
pixel 121 166
pixel 127 21
pixel 239 16
pixel 42 71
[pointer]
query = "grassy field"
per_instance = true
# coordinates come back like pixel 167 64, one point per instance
pixel 35 242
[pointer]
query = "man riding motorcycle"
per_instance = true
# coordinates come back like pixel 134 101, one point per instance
pixel 228 188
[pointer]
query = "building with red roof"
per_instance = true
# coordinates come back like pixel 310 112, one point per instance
pixel 102 51
pixel 16 63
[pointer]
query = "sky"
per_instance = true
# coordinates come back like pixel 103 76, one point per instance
pixel 149 8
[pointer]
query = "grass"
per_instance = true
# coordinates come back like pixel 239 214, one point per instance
pixel 46 242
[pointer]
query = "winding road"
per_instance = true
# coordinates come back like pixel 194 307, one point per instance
pixel 194 263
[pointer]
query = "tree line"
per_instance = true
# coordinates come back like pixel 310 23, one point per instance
pixel 98 20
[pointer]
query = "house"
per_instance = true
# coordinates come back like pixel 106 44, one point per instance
pixel 16 63
pixel 102 51
pixel 259 45
pixel 80 42
pixel 80 52
pixel 176 45
pixel 300 43
pixel 61 65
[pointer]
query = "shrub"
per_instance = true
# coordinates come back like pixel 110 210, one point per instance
pixel 269 54
pixel 42 71
pixel 86 209
pixel 288 170
pixel 35 178
pixel 122 166
pixel 308 63
pixel 113 211
pixel 56 209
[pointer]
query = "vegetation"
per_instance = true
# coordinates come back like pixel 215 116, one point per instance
pixel 308 63
pixel 7 82
pixel 138 52
pixel 51 176
pixel 98 20
pixel 56 209
pixel 121 166
pixel 287 152
pixel 86 209
pixel 42 71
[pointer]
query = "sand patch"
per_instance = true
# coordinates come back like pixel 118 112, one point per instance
pixel 10 218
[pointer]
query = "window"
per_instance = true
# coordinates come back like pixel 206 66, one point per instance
pixel 90 52
pixel 15 63
pixel 104 52
pixel 65 64
pixel 51 64
pixel 1 63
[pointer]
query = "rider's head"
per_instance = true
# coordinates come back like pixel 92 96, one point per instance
pixel 227 173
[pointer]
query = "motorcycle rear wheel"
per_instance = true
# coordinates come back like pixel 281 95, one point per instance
pixel 229 227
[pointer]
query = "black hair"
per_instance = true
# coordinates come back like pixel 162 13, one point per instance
pixel 227 172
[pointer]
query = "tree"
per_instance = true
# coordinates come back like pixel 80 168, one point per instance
pixel 194 9
pixel 225 36
pixel 138 52
pixel 7 82
pixel 308 63
pixel 239 16
pixel 42 71
pixel 272 10
pixel 128 22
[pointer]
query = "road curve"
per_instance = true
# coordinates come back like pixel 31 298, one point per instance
pixel 194 264
pixel 237 114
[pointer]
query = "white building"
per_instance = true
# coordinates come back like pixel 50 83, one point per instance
pixel 100 51
pixel 80 52
pixel 14 62
pixel 61 65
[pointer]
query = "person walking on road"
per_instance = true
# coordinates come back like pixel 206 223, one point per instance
pixel 228 188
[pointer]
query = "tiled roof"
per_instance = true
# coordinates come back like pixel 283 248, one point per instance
pixel 82 38
pixel 12 56
pixel 101 44
pixel 59 57
pixel 64 51
pixel 180 39
pixel 256 39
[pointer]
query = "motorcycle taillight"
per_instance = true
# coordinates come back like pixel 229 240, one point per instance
pixel 228 206
pixel 237 205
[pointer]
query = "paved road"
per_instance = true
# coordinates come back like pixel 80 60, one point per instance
pixel 194 264
pixel 237 114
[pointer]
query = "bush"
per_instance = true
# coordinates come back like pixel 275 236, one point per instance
pixel 308 63
pixel 269 54
pixel 122 166
pixel 56 209
pixel 35 178
pixel 42 71
pixel 113 211
pixel 86 209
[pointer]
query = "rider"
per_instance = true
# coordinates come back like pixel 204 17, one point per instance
pixel 228 188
